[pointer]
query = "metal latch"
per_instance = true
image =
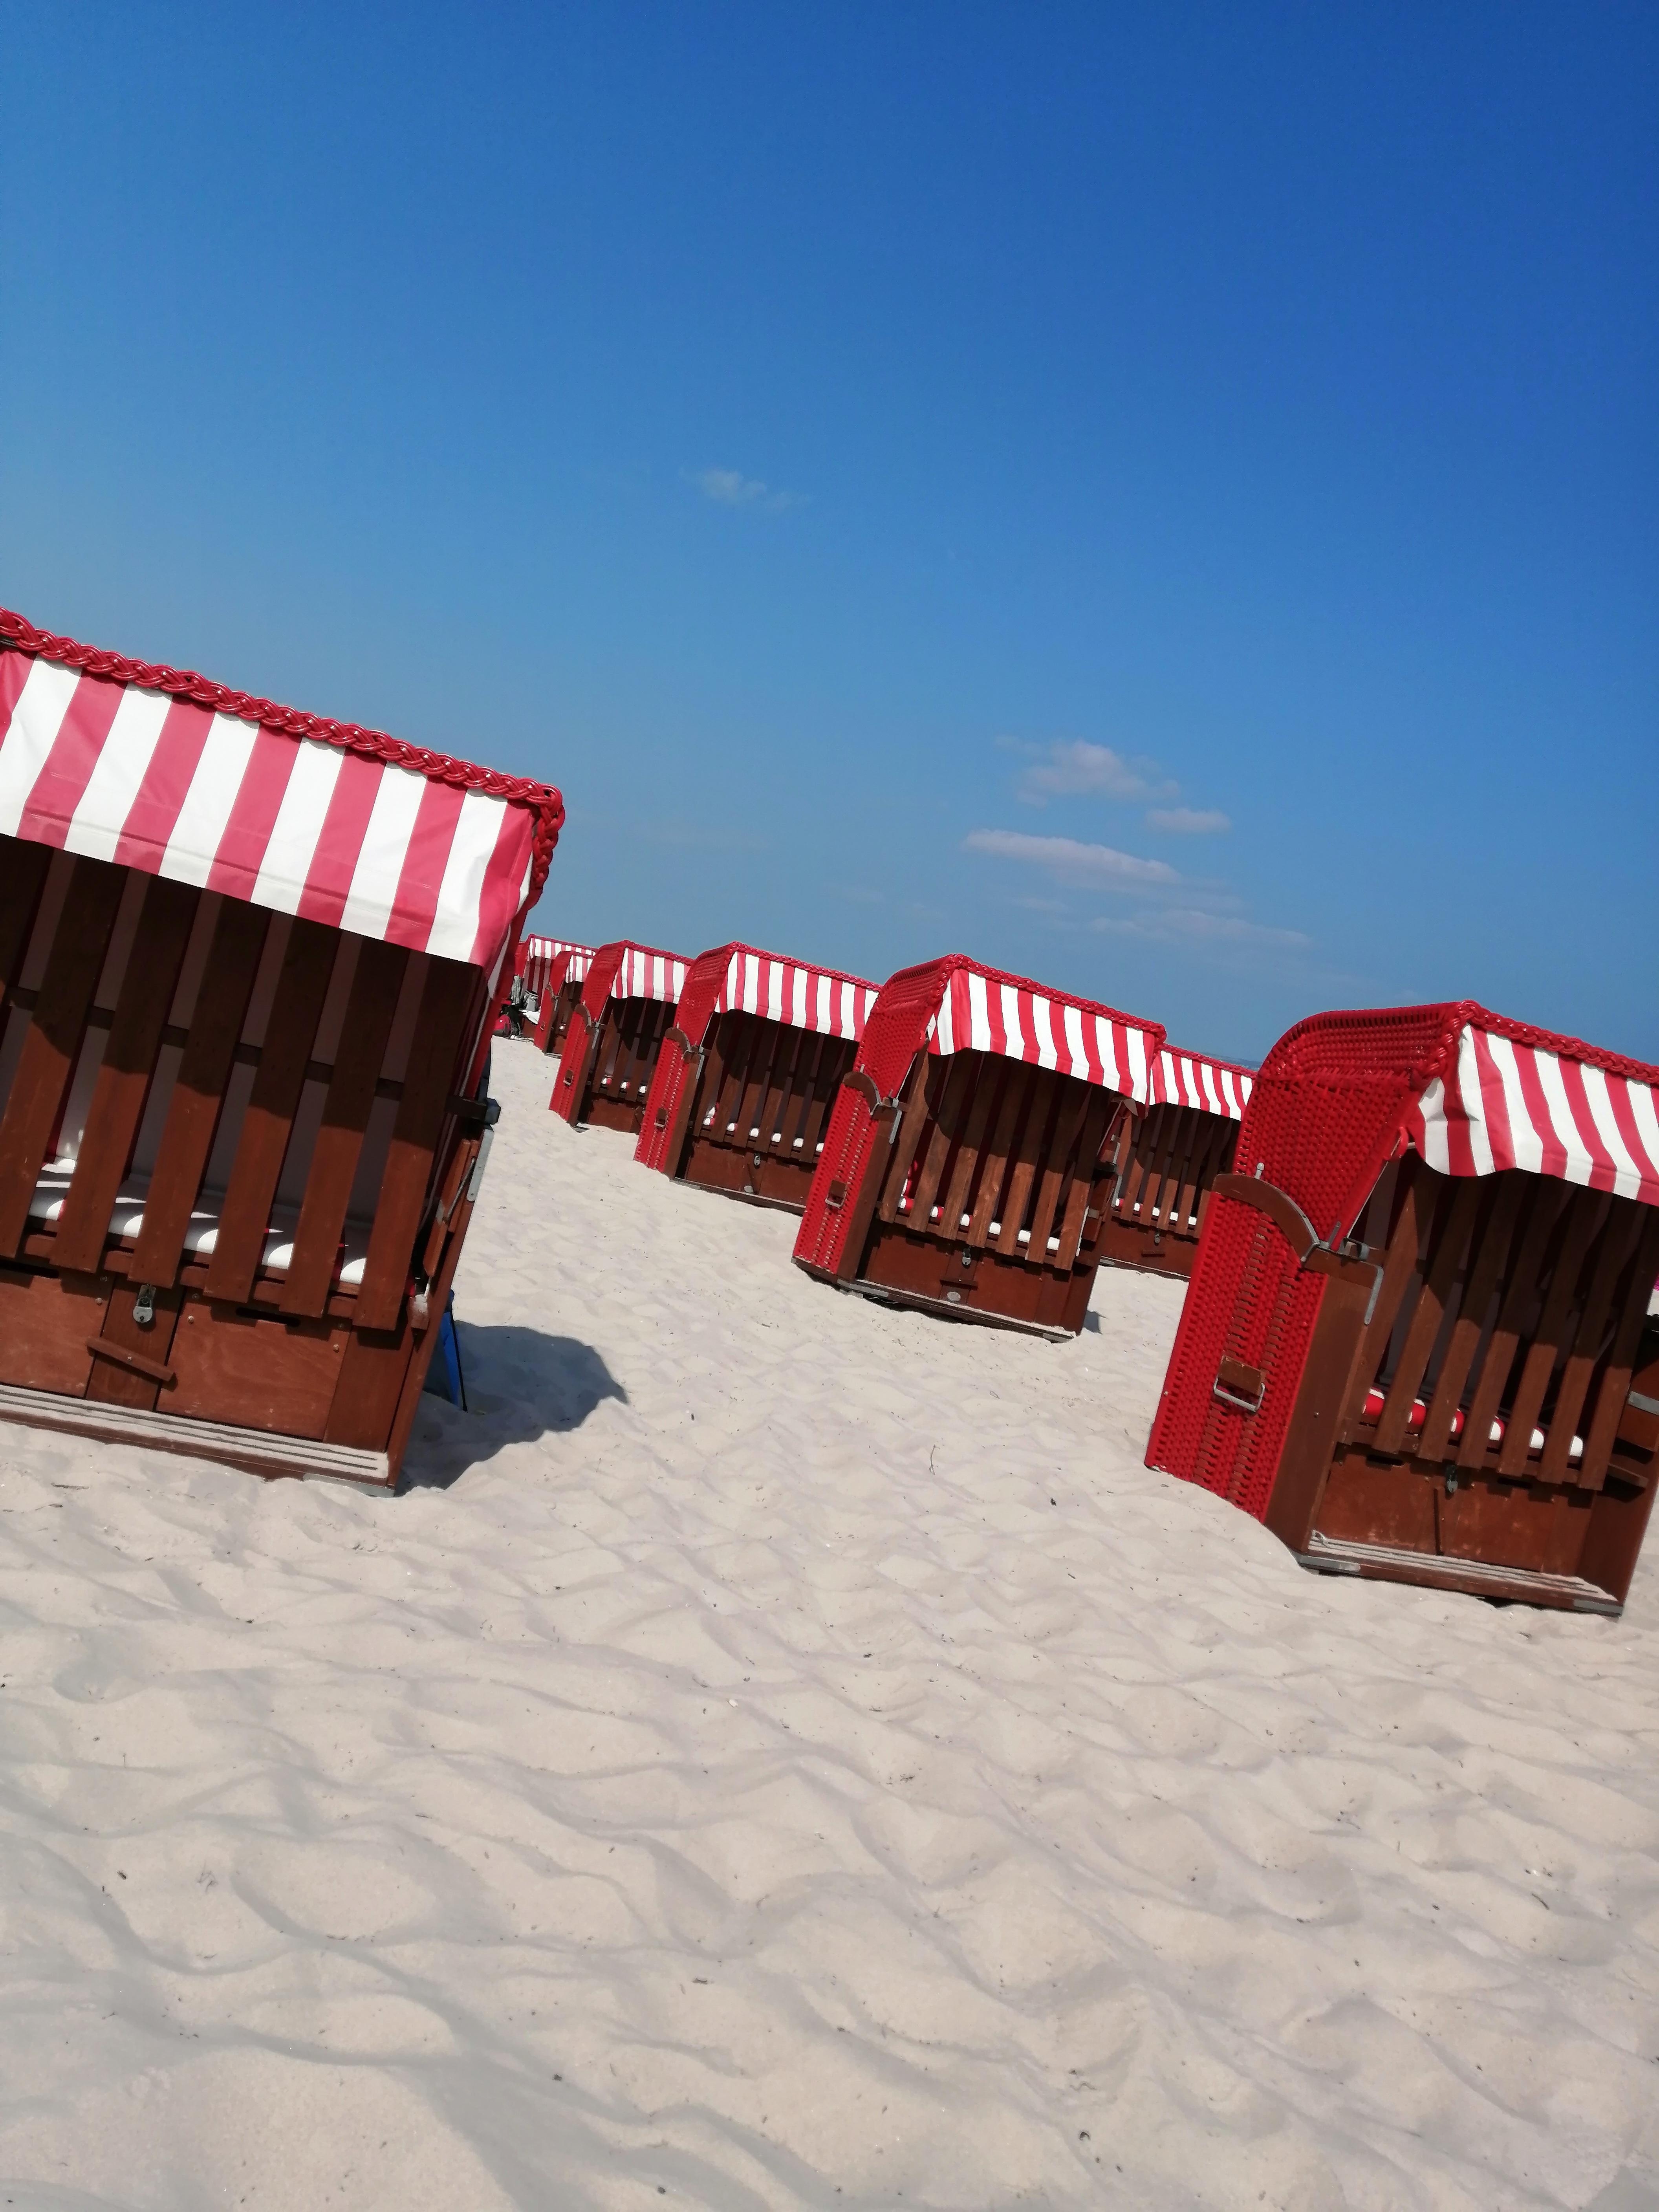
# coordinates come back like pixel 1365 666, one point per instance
pixel 1239 1385
pixel 143 1306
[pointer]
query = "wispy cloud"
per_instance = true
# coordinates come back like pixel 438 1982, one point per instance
pixel 1189 821
pixel 1094 867
pixel 681 836
pixel 1186 925
pixel 1072 767
pixel 731 487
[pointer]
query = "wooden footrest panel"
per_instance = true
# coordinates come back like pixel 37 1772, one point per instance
pixel 256 1450
pixel 1327 1555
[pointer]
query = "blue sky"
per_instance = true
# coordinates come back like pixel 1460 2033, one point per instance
pixel 1164 500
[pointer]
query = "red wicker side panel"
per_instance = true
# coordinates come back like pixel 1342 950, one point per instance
pixel 1249 1299
pixel 842 1165
pixel 675 1069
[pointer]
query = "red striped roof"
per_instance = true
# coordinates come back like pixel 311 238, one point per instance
pixel 161 769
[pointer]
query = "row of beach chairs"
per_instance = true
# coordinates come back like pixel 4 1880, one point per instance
pixel 251 965
pixel 1417 1340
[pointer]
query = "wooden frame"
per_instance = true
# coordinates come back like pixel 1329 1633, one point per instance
pixel 264 1176
pixel 560 995
pixel 1458 1387
pixel 746 1077
pixel 1164 1163
pixel 990 1203
pixel 978 1188
pixel 751 1119
pixel 610 1055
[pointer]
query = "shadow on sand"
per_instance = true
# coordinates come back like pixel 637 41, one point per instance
pixel 520 1384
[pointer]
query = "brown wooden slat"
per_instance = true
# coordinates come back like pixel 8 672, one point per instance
pixel 23 870
pixel 198 1095
pixel 408 1169
pixel 1068 1122
pixel 779 1086
pixel 1101 1107
pixel 1621 1357
pixel 128 1068
pixel 1030 1147
pixel 1210 1135
pixel 308 965
pixel 808 1084
pixel 346 1110
pixel 1134 1148
pixel 53 1041
pixel 739 1049
pixel 952 1088
pixel 1399 1265
pixel 1543 1205
pixel 1583 1219
pixel 1613 1250
pixel 1455 1219
pixel 902 1150
pixel 1494 1235
pixel 983 1101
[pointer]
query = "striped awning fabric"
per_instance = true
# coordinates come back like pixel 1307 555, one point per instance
pixel 1215 1086
pixel 981 1013
pixel 538 955
pixel 1509 1103
pixel 161 770
pixel 645 973
pixel 805 998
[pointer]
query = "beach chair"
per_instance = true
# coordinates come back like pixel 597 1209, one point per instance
pixel 249 964
pixel 1417 1341
pixel 1165 1160
pixel 967 1169
pixel 625 1011
pixel 746 1076
pixel 562 989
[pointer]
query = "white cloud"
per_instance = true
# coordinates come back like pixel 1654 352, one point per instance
pixel 1189 821
pixel 1071 768
pixel 1099 867
pixel 1186 925
pixel 731 487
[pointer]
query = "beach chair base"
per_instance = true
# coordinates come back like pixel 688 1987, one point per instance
pixel 756 1178
pixel 965 1283
pixel 252 1450
pixel 613 1114
pixel 1148 1251
pixel 1330 1555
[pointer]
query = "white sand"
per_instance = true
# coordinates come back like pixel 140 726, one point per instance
pixel 803 1757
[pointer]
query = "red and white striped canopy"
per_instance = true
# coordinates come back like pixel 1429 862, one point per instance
pixel 644 973
pixel 788 991
pixel 537 954
pixel 1507 1103
pixel 159 769
pixel 1214 1086
pixel 980 1011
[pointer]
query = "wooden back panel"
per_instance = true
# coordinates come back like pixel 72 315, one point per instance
pixel 630 1037
pixel 1506 1328
pixel 998 1155
pixel 216 1060
pixel 1165 1161
pixel 769 1085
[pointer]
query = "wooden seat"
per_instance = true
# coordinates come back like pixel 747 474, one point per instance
pixel 1456 1384
pixel 743 1087
pixel 559 990
pixel 239 1144
pixel 1165 1160
pixel 967 1169
pixel 609 1054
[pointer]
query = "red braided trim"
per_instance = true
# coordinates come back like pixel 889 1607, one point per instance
pixel 544 801
pixel 1413 1044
